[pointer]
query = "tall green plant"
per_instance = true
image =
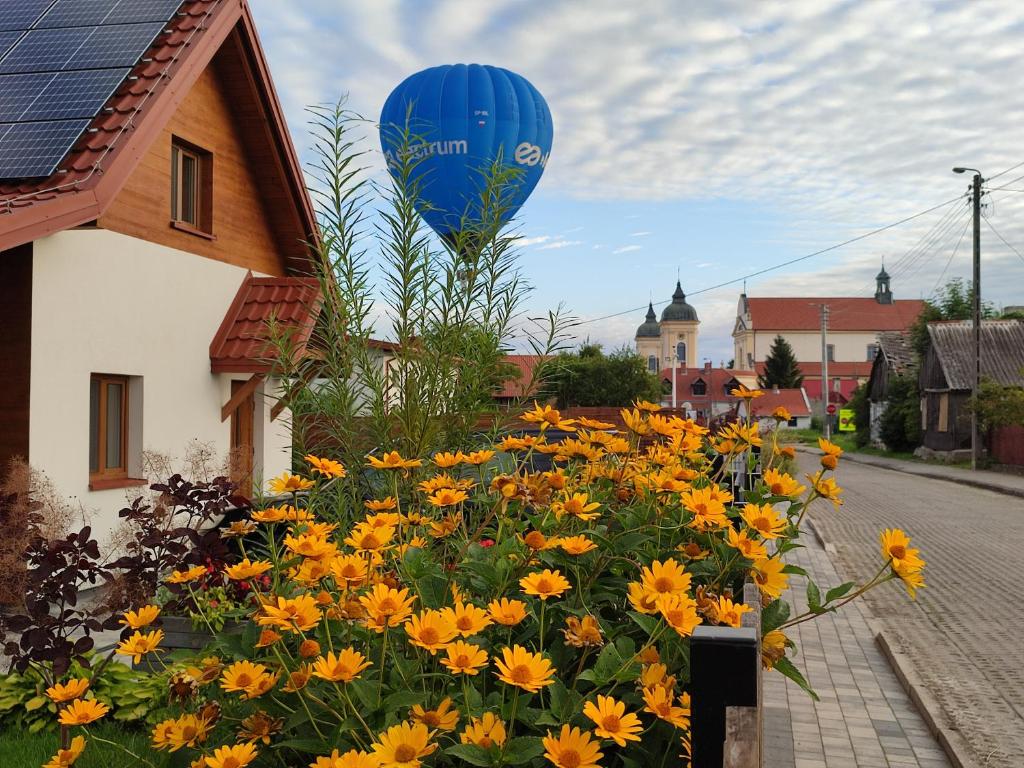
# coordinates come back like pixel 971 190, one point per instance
pixel 449 313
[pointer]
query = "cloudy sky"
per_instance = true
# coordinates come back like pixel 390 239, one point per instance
pixel 715 139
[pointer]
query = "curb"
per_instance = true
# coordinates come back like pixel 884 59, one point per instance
pixel 951 741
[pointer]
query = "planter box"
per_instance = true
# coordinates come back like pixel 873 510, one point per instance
pixel 180 634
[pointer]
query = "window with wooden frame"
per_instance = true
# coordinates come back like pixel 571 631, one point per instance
pixel 191 188
pixel 108 427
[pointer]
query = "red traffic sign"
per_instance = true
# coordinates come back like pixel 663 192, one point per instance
pixel 831 409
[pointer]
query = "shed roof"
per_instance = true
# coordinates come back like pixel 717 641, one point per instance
pixel 895 346
pixel 1002 351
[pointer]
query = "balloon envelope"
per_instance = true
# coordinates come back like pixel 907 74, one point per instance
pixel 461 117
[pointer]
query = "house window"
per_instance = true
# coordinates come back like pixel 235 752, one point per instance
pixel 191 188
pixel 830 352
pixel 792 422
pixel 652 363
pixel 699 387
pixel 108 427
pixel 681 352
pixel 872 352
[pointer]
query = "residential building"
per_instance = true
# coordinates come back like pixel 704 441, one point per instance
pixel 947 376
pixel 894 358
pixel 153 214
pixel 851 338
pixel 672 340
pixel 762 409
pixel 704 393
pixel 516 387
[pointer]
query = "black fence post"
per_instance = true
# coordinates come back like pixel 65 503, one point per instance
pixel 724 663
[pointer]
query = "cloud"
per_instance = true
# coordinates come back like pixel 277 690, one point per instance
pixel 560 244
pixel 627 249
pixel 526 242
pixel 639 234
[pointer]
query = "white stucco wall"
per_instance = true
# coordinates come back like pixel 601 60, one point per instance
pixel 103 302
pixel 850 346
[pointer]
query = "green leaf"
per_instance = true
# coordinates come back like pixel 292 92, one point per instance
pixel 813 596
pixel 774 616
pixel 837 592
pixel 307 745
pixel 790 568
pixel 785 666
pixel 402 699
pixel 648 624
pixel 35 703
pixel 471 754
pixel 366 693
pixel 523 749
pixel 433 591
pixel 559 699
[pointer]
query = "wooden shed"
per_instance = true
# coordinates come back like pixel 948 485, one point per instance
pixel 894 358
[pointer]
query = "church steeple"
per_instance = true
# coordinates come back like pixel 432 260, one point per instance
pixel 883 293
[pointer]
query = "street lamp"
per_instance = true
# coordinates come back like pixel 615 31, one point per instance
pixel 976 201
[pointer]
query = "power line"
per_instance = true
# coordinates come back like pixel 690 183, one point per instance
pixel 952 255
pixel 926 244
pixel 930 252
pixel 787 263
pixel 1002 173
pixel 996 233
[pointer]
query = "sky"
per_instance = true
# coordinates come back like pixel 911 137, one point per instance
pixel 714 140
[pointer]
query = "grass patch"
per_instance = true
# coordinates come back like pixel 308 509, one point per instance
pixel 25 750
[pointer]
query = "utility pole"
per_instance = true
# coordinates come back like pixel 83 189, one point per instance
pixel 976 314
pixel 825 392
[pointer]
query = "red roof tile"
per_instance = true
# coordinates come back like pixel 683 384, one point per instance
pixel 241 344
pixel 793 400
pixel 845 314
pixel 514 387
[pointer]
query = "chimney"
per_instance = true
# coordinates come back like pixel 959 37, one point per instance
pixel 707 366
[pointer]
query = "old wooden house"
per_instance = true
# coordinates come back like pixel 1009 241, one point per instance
pixel 894 358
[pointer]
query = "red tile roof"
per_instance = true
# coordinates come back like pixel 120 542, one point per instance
pixel 89 177
pixel 514 387
pixel 241 344
pixel 845 314
pixel 715 380
pixel 793 400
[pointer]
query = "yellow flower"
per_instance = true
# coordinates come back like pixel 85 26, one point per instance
pixel 507 612
pixel 381 505
pixel 369 538
pixel 138 645
pixel 642 599
pixel 273 514
pixel 582 633
pixel 74 688
pixel 430 630
pixel 446 526
pixel 143 617
pixel 447 497
pixel 349 570
pixel 402 745
pixel 393 460
pixel 235 756
pixel 467 619
pixel 768 576
pixel 82 712
pixel 773 648
pixel 289 483
pixel 612 720
pixel 781 484
pixel 354 758
pixel 741 436
pixel 298 614
pixel 781 414
pixel 577 505
pixel 707 508
pixel 583 421
pixel 572 748
pixel 241 676
pixel 464 658
pixel 479 457
pixel 259 727
pixel 635 421
pixel 343 668
pixel 665 578
pixel 544 584
pixel 449 460
pixel 548 417
pixel 185 731
pixel 896 548
pixel 310 545
pixel 730 613
pixel 911 578
pixel 750 549
pixel 576 545
pixel 326 467
pixel 826 488
pixel 67 757
pixel 660 703
pixel 519 667
pixel 246 569
pixel 679 612
pixel 444 718
pixel 744 393
pixel 487 731
pixel 693 551
pixel 764 519
pixel 183 577
pixel 386 607
pixel 298 678
pixel 832 453
pixel 512 444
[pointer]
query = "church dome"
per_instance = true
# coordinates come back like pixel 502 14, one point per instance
pixel 883 275
pixel 678 309
pixel 650 327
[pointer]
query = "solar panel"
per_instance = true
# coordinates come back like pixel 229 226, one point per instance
pixel 34 149
pixel 21 14
pixel 17 92
pixel 45 50
pixel 128 11
pixel 114 45
pixel 76 13
pixel 75 94
pixel 7 39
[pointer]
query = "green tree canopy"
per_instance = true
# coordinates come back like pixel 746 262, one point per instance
pixel 781 368
pixel 954 301
pixel 588 377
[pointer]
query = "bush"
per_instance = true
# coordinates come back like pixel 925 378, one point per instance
pixel 900 426
pixel 861 406
pixel 591 378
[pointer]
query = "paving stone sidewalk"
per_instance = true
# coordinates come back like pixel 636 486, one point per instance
pixel 864 719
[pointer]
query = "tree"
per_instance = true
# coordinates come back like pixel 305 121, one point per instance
pixel 999 405
pixel 954 301
pixel 588 377
pixel 900 425
pixel 861 406
pixel 780 367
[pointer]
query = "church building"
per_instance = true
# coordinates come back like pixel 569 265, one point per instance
pixel 673 338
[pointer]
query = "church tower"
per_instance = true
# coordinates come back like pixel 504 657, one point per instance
pixel 883 293
pixel 648 340
pixel 661 344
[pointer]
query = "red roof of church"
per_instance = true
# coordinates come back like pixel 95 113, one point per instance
pixel 845 314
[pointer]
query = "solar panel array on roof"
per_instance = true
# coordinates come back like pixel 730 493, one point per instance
pixel 60 60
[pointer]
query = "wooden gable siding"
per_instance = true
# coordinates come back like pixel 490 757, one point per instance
pixel 242 228
pixel 15 352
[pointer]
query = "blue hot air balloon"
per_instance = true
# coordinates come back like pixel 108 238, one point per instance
pixel 461 117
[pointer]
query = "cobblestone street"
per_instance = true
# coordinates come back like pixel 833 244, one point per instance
pixel 964 636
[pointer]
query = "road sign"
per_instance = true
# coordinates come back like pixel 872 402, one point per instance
pixel 847 422
pixel 831 409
